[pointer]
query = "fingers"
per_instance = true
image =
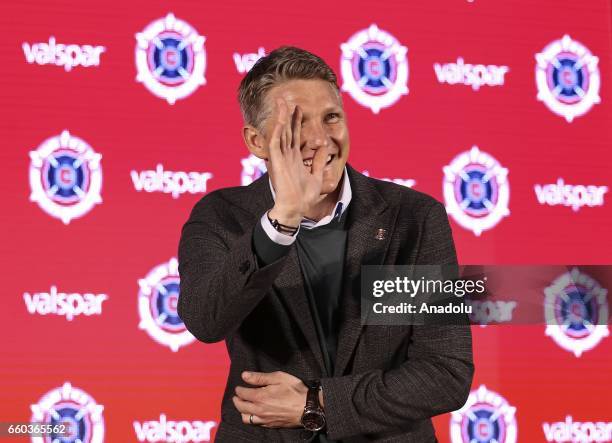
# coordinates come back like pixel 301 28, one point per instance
pixel 287 130
pixel 245 407
pixel 282 111
pixel 246 419
pixel 319 160
pixel 248 394
pixel 286 133
pixel 283 120
pixel 261 378
pixel 296 128
pixel 283 139
pixel 275 143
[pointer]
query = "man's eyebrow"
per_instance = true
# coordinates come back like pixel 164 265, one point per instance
pixel 333 108
pixel 327 110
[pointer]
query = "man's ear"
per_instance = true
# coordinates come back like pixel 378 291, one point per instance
pixel 255 141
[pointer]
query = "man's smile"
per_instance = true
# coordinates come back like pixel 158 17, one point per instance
pixel 330 158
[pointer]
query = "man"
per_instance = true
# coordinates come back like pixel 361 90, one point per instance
pixel 274 270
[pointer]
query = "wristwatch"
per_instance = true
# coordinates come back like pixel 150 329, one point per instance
pixel 313 418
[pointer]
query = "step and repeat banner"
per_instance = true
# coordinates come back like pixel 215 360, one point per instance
pixel 117 117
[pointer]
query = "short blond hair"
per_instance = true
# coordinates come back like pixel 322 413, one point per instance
pixel 282 64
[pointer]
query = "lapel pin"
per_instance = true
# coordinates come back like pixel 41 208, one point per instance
pixel 381 234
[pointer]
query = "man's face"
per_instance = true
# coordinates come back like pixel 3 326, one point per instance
pixel 323 125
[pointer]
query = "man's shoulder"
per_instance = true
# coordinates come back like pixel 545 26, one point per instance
pixel 224 201
pixel 410 202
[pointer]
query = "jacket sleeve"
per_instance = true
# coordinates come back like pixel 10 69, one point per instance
pixel 221 279
pixel 435 377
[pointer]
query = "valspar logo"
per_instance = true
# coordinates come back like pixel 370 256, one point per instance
pixel 573 196
pixel 65 304
pixel 470 75
pixel 408 182
pixel 576 431
pixel 244 62
pixel 173 430
pixel 170 182
pixel 59 54
pixel 485 312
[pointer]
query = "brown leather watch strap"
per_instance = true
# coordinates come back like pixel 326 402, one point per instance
pixel 312 397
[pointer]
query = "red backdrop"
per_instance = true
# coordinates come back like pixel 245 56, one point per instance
pixel 116 242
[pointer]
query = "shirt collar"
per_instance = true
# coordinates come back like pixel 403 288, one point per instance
pixel 341 205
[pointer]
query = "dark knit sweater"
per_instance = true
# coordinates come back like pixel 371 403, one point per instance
pixel 321 253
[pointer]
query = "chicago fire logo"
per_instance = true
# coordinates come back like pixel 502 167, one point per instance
pixel 170 58
pixel 374 68
pixel 486 417
pixel 65 177
pixel 576 312
pixel 476 190
pixel 567 78
pixel 157 306
pixel 73 410
pixel 252 168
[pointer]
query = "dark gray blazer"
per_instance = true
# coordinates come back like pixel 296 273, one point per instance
pixel 388 380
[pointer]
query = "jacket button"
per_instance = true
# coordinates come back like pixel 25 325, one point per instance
pixel 244 267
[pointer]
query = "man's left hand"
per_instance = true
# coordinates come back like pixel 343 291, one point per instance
pixel 277 401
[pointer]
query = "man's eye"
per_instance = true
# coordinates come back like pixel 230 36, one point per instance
pixel 333 116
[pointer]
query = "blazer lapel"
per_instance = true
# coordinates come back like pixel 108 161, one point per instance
pixel 370 226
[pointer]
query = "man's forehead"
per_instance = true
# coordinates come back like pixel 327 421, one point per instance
pixel 308 94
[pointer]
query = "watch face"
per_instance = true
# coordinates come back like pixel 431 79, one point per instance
pixel 313 420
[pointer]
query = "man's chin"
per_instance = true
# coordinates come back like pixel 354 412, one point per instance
pixel 330 186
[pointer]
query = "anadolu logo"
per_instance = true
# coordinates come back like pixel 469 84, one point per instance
pixel 73 408
pixel 374 68
pixel 170 58
pixel 476 190
pixel 65 177
pixel 486 417
pixel 252 168
pixel 567 77
pixel 576 312
pixel 157 306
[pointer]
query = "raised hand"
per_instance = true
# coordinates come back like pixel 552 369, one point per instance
pixel 297 186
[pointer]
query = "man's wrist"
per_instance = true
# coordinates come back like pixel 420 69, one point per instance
pixel 285 216
pixel 313 418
